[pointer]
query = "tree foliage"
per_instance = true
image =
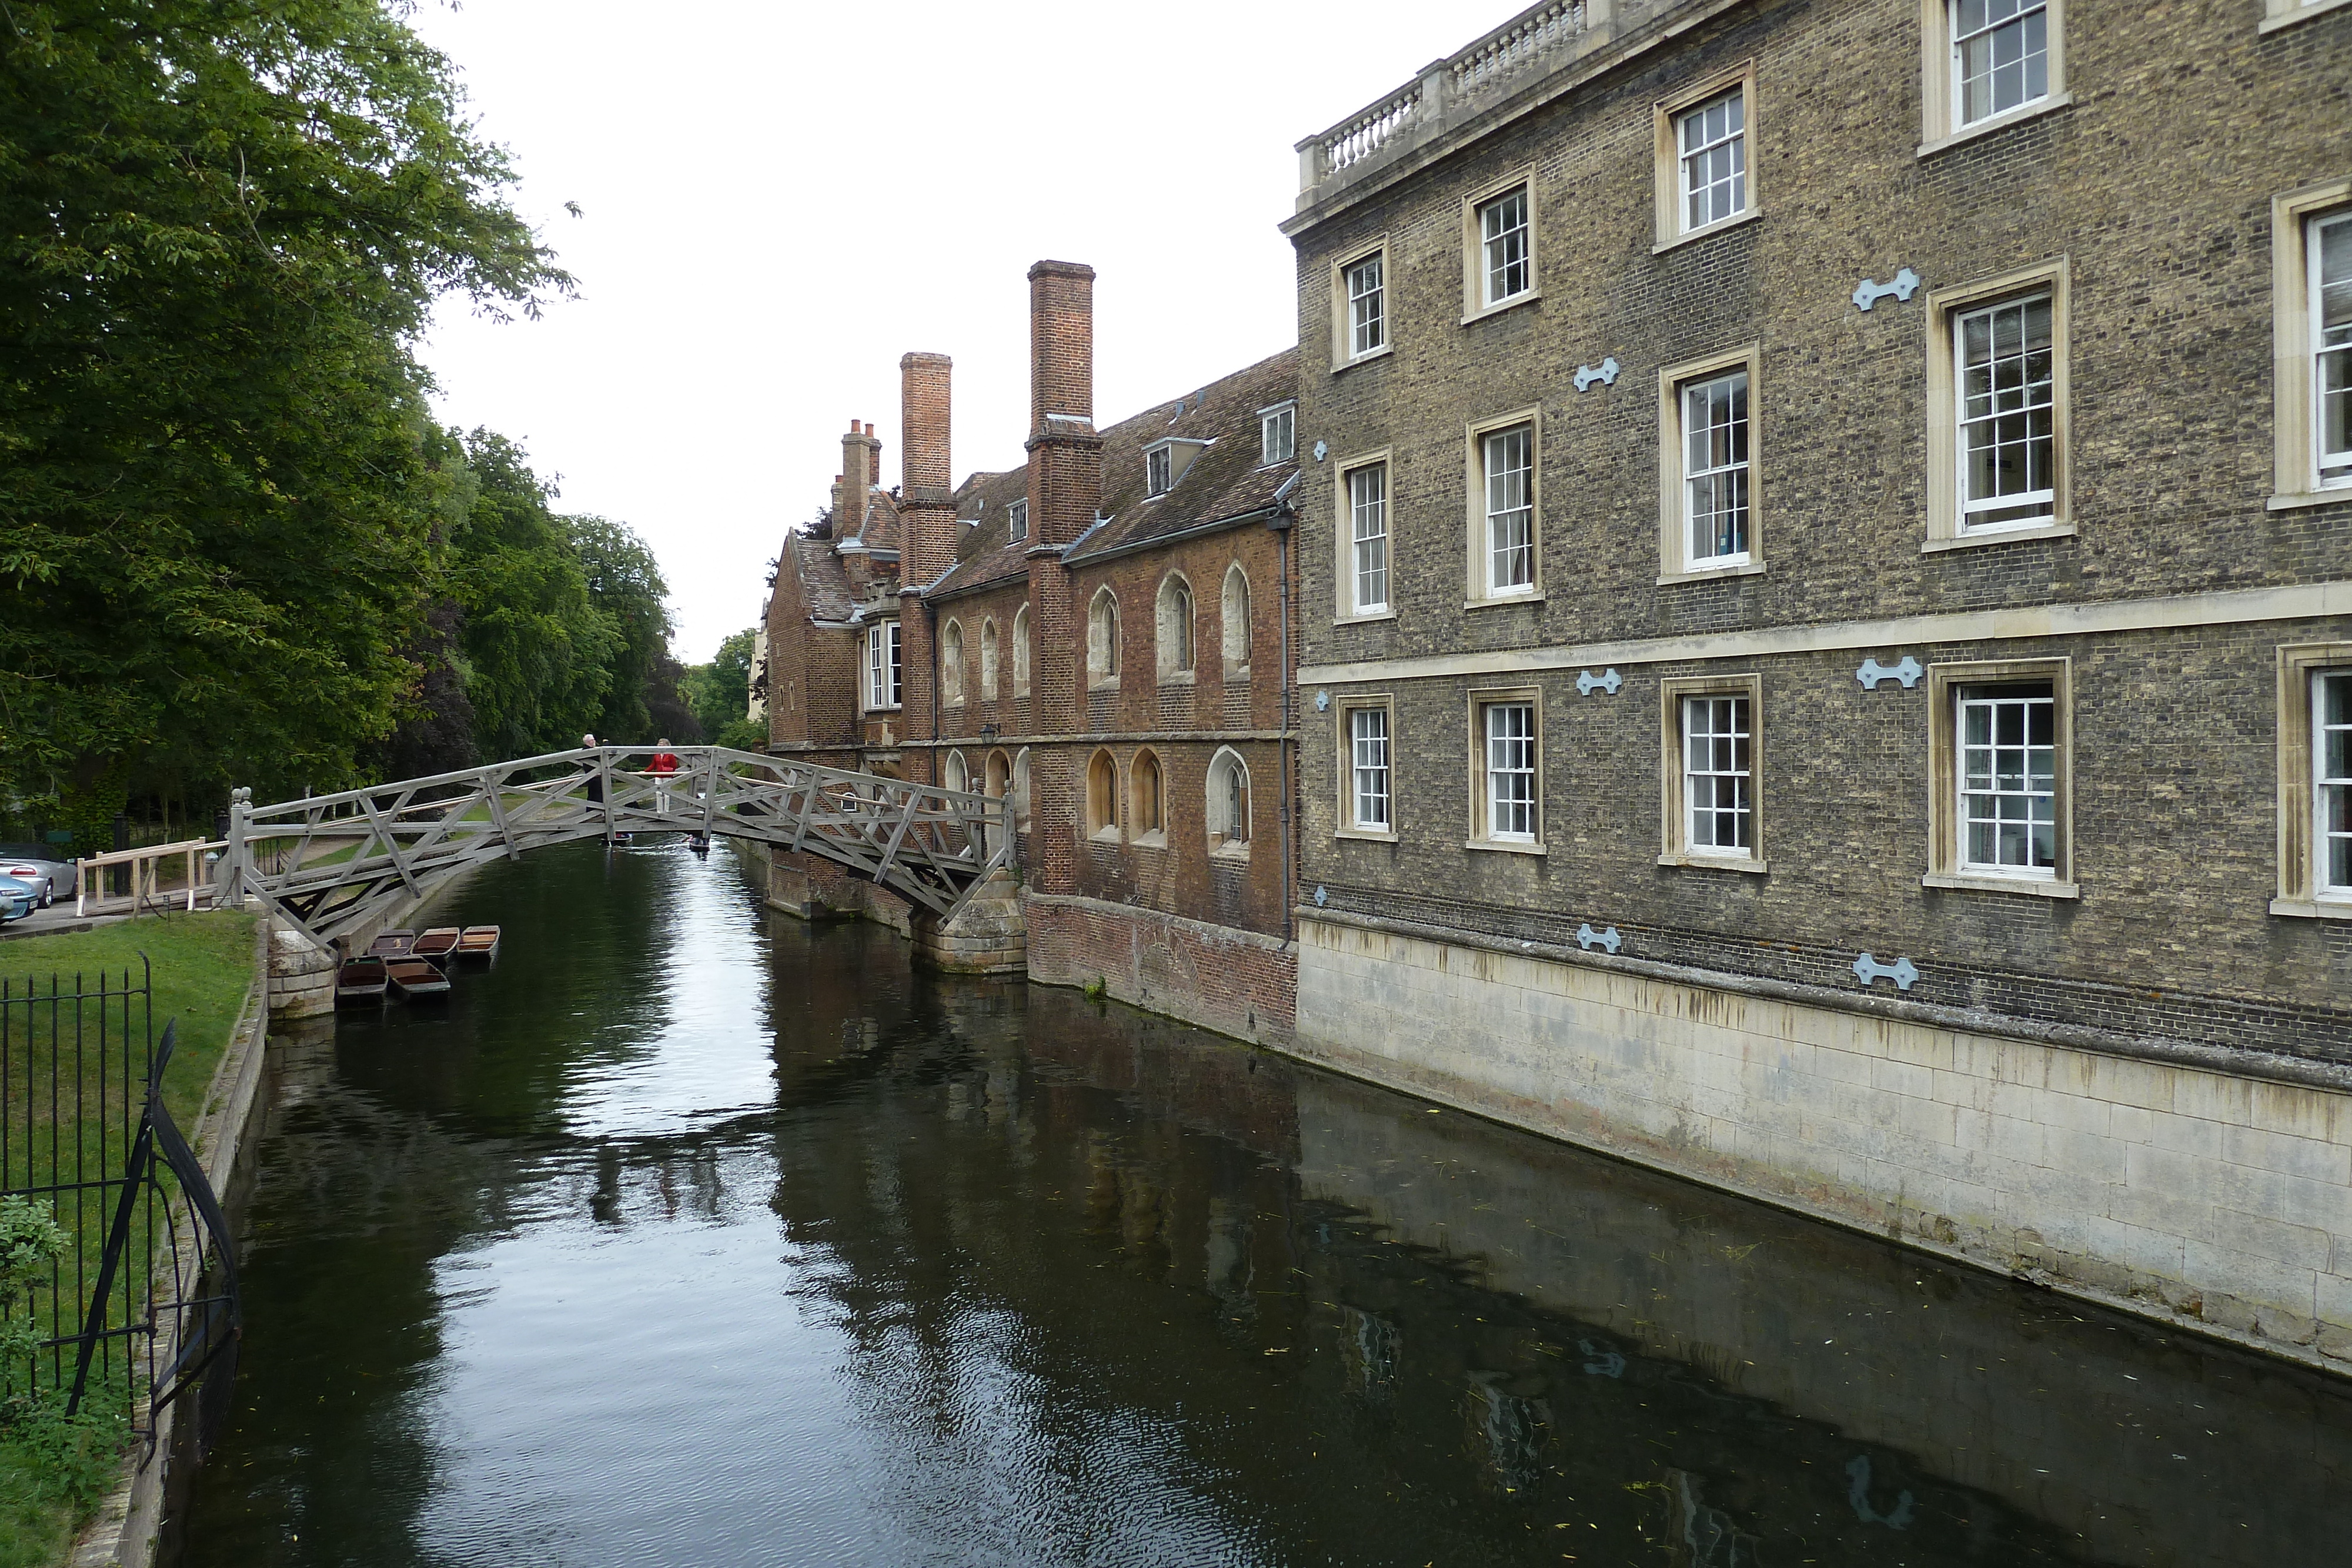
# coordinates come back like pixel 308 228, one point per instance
pixel 720 691
pixel 222 503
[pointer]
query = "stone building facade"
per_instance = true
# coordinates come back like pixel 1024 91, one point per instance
pixel 1096 635
pixel 1826 600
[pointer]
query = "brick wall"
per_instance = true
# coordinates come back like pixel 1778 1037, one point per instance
pixel 1232 981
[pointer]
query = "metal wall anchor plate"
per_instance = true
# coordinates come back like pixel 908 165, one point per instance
pixel 1905 670
pixel 1608 681
pixel 1588 938
pixel 1906 282
pixel 1321 897
pixel 1867 968
pixel 1606 373
pixel 1322 701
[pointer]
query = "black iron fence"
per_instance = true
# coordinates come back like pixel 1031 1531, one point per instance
pixel 141 1301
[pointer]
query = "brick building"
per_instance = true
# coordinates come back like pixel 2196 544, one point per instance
pixel 1827 617
pixel 1096 635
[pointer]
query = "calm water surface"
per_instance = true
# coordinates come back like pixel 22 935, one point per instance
pixel 689 1235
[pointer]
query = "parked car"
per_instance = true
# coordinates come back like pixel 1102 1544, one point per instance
pixel 18 898
pixel 38 864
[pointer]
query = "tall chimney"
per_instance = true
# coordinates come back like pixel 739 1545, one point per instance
pixel 926 489
pixel 1065 453
pixel 856 478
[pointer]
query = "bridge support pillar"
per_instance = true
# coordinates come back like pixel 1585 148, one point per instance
pixel 301 977
pixel 988 935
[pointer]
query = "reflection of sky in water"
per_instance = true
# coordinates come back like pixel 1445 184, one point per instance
pixel 684 1239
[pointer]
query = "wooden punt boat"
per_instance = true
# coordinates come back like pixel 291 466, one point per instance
pixel 478 942
pixel 415 979
pixel 436 944
pixel 396 942
pixel 360 982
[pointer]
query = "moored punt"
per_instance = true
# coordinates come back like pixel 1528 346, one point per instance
pixel 416 977
pixel 478 942
pixel 395 943
pixel 361 981
pixel 437 943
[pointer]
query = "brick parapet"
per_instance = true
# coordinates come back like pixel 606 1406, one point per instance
pixel 1237 982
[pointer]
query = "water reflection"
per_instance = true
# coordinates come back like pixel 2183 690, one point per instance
pixel 689 1237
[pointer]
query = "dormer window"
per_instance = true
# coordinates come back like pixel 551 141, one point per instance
pixel 1159 471
pixel 1277 434
pixel 1017 526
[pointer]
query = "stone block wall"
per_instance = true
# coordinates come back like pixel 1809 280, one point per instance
pixel 1237 982
pixel 2178 1190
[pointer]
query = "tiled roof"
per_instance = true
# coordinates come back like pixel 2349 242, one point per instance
pixel 881 530
pixel 825 587
pixel 1223 481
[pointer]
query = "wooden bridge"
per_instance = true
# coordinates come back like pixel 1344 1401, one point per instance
pixel 327 864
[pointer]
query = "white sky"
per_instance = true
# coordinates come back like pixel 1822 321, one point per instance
pixel 780 199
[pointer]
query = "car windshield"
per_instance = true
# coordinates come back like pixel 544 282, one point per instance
pixel 32 852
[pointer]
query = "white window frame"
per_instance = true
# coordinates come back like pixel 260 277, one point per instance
pixel 1948 412
pixel 1353 519
pixel 2331 783
pixel 1277 434
pixel 1159 471
pixel 1016 526
pixel 1950 864
pixel 1674 227
pixel 2296 218
pixel 1478 298
pixel 2304 888
pixel 1989 788
pixel 1941 77
pixel 1483 588
pixel 1225 769
pixel 1505 223
pixel 1358 764
pixel 2332 464
pixel 2277 14
pixel 1703 157
pixel 885 667
pixel 1677 562
pixel 1484 772
pixel 1680 802
pixel 1987 411
pixel 1349 299
pixel 2023 19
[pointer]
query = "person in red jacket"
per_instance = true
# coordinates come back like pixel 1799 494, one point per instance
pixel 663 767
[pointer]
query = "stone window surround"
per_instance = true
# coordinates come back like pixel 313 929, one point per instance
pixel 1266 418
pixel 1343 577
pixel 1674 847
pixel 1342 321
pixel 1480 699
pixel 991 660
pixel 2277 14
pixel 2295 433
pixel 1105 654
pixel 1674 532
pixel 952 664
pixel 1671 231
pixel 1020 651
pixel 1146 838
pixel 1944 307
pixel 883 633
pixel 1474 490
pixel 1234 628
pixel 1938 68
pixel 1474 248
pixel 1102 825
pixel 1343 711
pixel 1175 588
pixel 2297 850
pixel 1943 781
pixel 1223 843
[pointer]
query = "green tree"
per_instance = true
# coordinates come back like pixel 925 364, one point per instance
pixel 719 692
pixel 625 584
pixel 222 225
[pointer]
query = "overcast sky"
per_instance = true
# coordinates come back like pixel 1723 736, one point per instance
pixel 780 199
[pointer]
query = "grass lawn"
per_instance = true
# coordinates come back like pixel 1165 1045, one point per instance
pixel 201 964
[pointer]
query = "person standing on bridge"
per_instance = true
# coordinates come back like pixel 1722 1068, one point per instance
pixel 664 767
pixel 595 771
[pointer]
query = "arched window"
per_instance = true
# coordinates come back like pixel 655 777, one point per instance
pixel 959 775
pixel 1020 651
pixel 988 661
pixel 996 777
pixel 952 664
pixel 1147 805
pixel 1102 798
pixel 1175 628
pixel 1019 791
pixel 1102 637
pixel 1234 614
pixel 1229 803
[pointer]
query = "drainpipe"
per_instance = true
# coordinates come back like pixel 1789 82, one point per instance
pixel 1280 523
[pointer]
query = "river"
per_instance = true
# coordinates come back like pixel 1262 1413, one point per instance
pixel 692 1235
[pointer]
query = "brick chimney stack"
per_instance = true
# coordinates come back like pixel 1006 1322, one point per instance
pixel 926 487
pixel 1065 453
pixel 861 459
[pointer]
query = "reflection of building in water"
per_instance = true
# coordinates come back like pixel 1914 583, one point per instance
pixel 1697 1534
pixel 1369 1347
pixel 1507 1428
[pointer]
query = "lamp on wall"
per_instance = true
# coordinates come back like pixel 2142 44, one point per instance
pixel 988 732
